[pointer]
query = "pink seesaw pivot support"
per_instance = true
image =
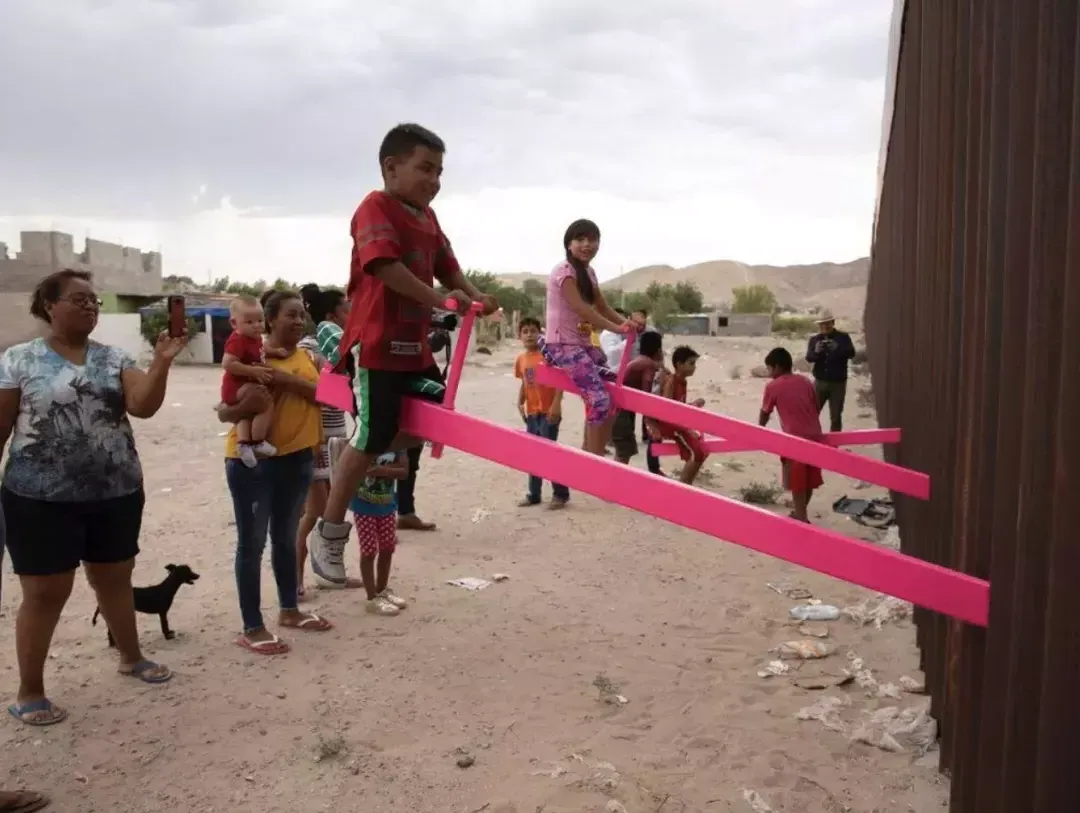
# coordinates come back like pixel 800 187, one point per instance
pixel 457 361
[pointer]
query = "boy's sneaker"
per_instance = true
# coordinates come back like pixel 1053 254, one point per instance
pixel 393 598
pixel 264 449
pixel 247 455
pixel 380 605
pixel 326 546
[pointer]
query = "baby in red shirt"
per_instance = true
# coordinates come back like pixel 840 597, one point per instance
pixel 794 397
pixel 244 367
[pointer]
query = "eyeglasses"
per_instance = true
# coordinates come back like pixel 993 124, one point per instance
pixel 88 301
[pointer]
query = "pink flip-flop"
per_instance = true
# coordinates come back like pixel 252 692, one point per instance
pixel 274 646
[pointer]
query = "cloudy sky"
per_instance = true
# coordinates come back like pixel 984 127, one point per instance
pixel 237 136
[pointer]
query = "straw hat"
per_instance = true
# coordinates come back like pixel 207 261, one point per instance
pixel 826 316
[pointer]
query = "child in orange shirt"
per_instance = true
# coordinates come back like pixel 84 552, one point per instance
pixel 540 408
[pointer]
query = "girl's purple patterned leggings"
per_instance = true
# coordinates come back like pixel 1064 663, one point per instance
pixel 587 368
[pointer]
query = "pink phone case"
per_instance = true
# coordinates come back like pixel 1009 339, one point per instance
pixel 335 390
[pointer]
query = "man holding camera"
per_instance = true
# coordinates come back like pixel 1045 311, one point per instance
pixel 830 350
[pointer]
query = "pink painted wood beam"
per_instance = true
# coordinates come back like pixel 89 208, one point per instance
pixel 858 467
pixel 852 437
pixel 927 585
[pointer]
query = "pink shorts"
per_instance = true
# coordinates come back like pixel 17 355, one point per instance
pixel 376 534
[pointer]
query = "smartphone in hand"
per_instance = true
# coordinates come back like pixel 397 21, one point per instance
pixel 177 316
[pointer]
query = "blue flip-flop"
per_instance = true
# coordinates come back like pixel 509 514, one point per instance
pixel 142 669
pixel 21 713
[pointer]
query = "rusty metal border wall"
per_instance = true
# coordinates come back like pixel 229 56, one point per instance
pixel 973 328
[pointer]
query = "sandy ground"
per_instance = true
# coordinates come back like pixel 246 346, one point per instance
pixel 475 701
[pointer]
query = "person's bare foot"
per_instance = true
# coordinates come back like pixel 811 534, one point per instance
pixel 411 522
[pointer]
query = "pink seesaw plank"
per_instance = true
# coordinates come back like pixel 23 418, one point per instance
pixel 927 585
pixel 457 361
pixel 853 437
pixel 887 475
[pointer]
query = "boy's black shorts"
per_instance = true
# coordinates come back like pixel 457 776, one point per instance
pixel 378 395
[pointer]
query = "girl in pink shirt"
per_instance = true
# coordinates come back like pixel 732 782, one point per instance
pixel 575 305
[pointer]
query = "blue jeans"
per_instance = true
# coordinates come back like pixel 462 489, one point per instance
pixel 268 497
pixel 540 426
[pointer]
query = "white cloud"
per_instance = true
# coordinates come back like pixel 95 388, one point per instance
pixel 688 131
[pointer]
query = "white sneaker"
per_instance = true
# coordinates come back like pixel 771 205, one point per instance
pixel 247 455
pixel 264 449
pixel 381 606
pixel 326 547
pixel 394 599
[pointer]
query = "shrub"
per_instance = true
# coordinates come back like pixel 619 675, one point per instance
pixel 760 493
pixel 793 325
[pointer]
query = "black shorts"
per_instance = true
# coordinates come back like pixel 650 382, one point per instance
pixel 378 395
pixel 47 538
pixel 622 435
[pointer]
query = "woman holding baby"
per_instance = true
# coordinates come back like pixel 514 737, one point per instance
pixel 270 496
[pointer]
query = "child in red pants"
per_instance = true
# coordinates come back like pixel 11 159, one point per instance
pixel 374 510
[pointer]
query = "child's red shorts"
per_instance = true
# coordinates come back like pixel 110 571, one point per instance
pixel 800 478
pixel 691 444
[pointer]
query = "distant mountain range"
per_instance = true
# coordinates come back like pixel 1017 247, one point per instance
pixel 840 287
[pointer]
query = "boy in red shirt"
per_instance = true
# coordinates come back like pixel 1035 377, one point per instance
pixel 243 365
pixel 794 397
pixel 540 407
pixel 398 252
pixel 691 449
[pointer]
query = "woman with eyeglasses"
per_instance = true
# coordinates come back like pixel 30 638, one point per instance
pixel 72 489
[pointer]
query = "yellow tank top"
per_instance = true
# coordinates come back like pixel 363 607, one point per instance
pixel 297 421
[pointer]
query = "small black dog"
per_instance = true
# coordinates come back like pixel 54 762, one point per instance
pixel 157 599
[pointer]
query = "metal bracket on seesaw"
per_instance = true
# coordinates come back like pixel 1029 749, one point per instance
pixel 925 584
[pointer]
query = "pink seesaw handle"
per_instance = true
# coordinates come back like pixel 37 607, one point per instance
pixel 457 361
pixel 631 337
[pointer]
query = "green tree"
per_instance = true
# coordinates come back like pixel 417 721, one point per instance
pixel 655 291
pixel 175 283
pixel 753 299
pixel 637 301
pixel 664 312
pixel 688 297
pixel 534 289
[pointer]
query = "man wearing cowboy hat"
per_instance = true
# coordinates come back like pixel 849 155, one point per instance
pixel 829 351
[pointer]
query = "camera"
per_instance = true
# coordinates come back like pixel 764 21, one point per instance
pixel 442 322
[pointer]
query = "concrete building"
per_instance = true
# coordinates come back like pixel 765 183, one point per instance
pixel 714 323
pixel 126 279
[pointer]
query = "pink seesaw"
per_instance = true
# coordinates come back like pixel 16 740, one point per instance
pixel 925 584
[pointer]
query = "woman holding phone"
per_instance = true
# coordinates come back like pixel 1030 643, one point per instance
pixel 72 490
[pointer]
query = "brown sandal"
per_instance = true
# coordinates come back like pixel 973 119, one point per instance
pixel 22 801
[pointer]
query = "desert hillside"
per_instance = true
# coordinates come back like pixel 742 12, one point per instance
pixel 841 287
